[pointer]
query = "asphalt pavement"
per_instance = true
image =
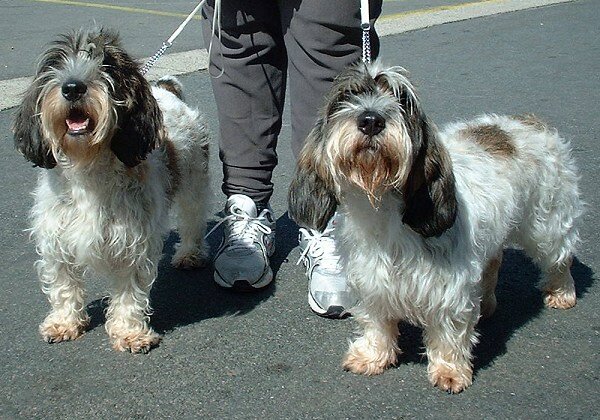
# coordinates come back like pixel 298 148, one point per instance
pixel 265 355
pixel 28 24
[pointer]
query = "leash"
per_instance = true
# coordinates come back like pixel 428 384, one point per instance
pixel 365 24
pixel 167 44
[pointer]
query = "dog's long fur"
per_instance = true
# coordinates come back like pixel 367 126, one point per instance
pixel 116 153
pixel 426 214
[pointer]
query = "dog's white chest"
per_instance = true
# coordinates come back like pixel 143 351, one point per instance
pixel 100 224
pixel 401 275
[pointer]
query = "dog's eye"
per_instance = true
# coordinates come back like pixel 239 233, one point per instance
pixel 339 100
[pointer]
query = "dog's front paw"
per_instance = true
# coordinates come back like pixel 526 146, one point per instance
pixel 560 299
pixel 55 331
pixel 136 342
pixel 366 359
pixel 450 378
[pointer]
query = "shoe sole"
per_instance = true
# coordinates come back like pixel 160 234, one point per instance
pixel 332 312
pixel 245 285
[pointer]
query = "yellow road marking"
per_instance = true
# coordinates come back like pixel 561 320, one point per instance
pixel 438 9
pixel 197 17
pixel 118 8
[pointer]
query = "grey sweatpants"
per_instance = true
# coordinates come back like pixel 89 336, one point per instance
pixel 262 42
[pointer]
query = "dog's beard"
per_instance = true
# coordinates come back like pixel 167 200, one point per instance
pixel 373 164
pixel 77 131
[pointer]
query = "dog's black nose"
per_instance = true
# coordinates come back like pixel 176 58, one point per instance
pixel 73 89
pixel 371 123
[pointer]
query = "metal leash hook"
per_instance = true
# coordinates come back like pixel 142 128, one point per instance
pixel 169 41
pixel 154 58
pixel 365 24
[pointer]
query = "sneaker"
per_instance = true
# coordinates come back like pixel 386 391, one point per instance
pixel 242 260
pixel 328 292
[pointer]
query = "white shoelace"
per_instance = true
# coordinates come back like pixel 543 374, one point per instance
pixel 245 230
pixel 321 247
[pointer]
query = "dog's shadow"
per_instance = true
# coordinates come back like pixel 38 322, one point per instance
pixel 519 301
pixel 183 297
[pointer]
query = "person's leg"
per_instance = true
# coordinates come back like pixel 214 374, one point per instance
pixel 251 60
pixel 322 38
pixel 248 66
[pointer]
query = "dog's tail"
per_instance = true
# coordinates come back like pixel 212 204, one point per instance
pixel 171 84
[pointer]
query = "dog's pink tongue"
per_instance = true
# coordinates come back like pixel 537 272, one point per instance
pixel 77 124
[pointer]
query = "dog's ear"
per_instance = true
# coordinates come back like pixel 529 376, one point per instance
pixel 429 192
pixel 138 132
pixel 311 197
pixel 139 125
pixel 27 129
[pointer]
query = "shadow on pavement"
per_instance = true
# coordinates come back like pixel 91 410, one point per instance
pixel 286 240
pixel 185 297
pixel 519 301
pixel 181 297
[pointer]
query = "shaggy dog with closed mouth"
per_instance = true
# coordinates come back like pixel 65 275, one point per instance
pixel 425 215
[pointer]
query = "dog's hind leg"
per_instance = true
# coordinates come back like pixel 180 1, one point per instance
pixel 489 279
pixel 554 257
pixel 552 250
pixel 549 232
pixel 192 250
pixel 376 349
pixel 127 317
pixel 559 289
pixel 63 285
pixel 550 239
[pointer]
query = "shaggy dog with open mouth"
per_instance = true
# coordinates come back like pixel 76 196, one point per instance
pixel 116 154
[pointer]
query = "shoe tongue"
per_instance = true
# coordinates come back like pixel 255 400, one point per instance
pixel 245 203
